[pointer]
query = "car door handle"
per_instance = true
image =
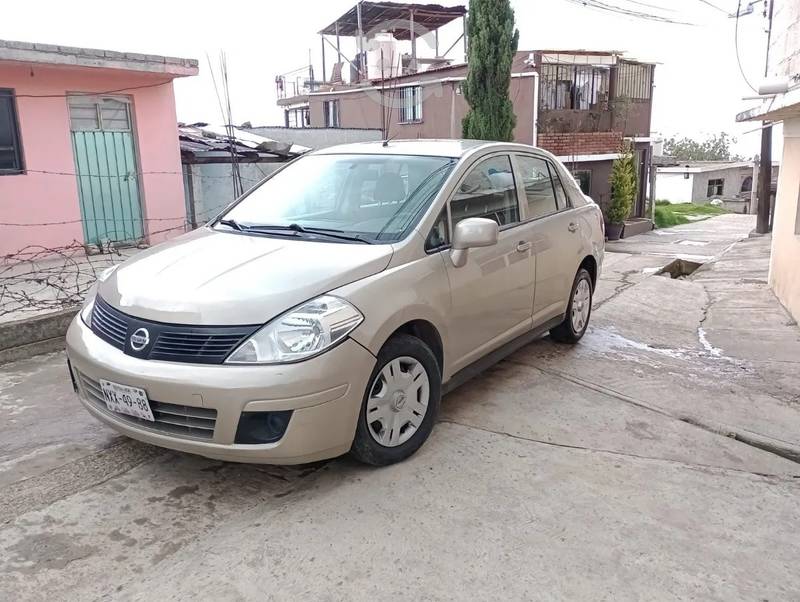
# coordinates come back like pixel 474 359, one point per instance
pixel 523 246
pixel 573 227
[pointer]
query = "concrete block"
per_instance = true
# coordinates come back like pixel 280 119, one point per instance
pixel 20 45
pixel 46 47
pixel 22 334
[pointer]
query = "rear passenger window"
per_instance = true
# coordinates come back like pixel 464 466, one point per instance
pixel 488 190
pixel 561 196
pixel 538 186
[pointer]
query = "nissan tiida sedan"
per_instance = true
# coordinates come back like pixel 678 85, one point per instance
pixel 328 309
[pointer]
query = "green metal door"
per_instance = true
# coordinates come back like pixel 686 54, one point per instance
pixel 105 161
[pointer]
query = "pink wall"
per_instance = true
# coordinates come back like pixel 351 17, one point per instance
pixel 34 198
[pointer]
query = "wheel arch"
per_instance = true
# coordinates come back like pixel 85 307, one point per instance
pixel 589 263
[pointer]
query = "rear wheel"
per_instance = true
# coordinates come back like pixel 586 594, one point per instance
pixel 400 404
pixel 579 310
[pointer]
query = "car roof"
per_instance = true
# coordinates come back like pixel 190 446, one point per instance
pixel 423 147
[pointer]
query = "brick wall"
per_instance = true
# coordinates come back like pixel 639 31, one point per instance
pixel 576 143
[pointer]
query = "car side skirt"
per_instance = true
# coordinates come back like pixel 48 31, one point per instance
pixel 502 352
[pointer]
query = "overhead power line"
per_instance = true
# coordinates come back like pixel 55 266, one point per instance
pixel 722 10
pixel 614 8
pixel 736 46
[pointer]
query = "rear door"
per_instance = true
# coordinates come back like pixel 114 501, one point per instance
pixel 555 234
pixel 492 293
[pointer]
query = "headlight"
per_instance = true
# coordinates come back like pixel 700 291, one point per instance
pixel 300 333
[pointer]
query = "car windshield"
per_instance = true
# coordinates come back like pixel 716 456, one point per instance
pixel 365 198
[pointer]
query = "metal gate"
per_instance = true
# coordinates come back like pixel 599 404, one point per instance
pixel 105 161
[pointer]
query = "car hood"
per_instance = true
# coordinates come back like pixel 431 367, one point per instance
pixel 221 278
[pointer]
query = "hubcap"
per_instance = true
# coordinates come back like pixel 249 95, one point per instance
pixel 581 304
pixel 398 401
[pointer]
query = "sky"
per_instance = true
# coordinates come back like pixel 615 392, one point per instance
pixel 699 87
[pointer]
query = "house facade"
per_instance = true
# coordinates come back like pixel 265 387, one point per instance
pixel 582 106
pixel 88 147
pixel 784 275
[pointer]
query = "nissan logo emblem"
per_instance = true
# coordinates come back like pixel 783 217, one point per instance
pixel 140 339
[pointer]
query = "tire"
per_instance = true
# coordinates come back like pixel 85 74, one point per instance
pixel 572 330
pixel 391 424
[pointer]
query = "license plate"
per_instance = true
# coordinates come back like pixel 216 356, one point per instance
pixel 126 400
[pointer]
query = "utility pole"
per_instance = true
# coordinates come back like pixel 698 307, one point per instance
pixel 765 170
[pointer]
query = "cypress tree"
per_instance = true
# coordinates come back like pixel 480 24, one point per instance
pixel 492 41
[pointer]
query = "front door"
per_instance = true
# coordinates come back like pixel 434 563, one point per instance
pixel 493 292
pixel 105 162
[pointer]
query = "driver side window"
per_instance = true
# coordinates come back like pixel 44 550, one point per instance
pixel 488 190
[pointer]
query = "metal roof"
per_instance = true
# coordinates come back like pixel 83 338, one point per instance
pixel 394 17
pixel 202 140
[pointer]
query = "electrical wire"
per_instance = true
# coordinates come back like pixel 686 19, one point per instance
pixel 128 89
pixel 736 46
pixel 722 10
pixel 613 8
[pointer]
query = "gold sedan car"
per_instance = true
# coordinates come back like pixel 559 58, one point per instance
pixel 328 309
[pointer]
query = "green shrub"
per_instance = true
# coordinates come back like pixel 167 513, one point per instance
pixel 623 188
pixel 662 203
pixel 665 218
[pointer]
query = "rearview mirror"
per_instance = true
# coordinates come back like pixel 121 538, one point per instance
pixel 471 233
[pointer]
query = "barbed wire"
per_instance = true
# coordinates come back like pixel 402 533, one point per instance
pixel 131 174
pixel 38 279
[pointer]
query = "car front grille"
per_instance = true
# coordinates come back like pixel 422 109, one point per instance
pixel 167 342
pixel 108 324
pixel 181 421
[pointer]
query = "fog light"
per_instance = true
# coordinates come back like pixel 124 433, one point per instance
pixel 262 427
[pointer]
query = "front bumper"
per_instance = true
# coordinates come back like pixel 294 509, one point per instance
pixel 324 392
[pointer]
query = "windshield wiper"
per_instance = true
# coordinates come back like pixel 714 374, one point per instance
pixel 232 223
pixel 330 232
pixel 297 228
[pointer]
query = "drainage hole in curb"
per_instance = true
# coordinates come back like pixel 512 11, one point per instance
pixel 679 268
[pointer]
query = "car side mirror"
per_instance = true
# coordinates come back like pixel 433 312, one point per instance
pixel 471 233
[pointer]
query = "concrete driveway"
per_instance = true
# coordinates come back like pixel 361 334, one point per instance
pixel 654 460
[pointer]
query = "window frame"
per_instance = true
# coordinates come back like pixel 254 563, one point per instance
pixel 720 186
pixel 554 171
pixel 416 104
pixel 16 134
pixel 468 170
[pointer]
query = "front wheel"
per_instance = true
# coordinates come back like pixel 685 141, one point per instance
pixel 400 404
pixel 572 329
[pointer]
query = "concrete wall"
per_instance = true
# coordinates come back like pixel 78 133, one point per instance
pixel 731 188
pixel 316 137
pixel 443 108
pixel 785 42
pixel 600 189
pixel 784 275
pixel 674 187
pixel 210 186
pixel 34 197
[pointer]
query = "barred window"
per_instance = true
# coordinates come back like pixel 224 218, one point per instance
pixel 580 87
pixel 411 104
pixel 634 80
